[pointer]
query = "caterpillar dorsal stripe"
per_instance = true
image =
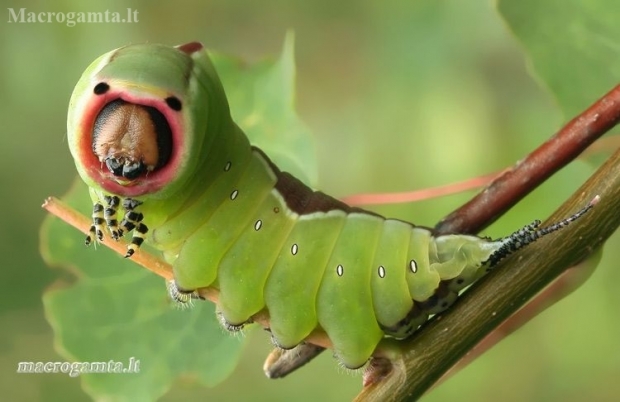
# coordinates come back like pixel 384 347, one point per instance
pixel 150 125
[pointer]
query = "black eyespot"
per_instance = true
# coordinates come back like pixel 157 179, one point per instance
pixel 101 88
pixel 174 103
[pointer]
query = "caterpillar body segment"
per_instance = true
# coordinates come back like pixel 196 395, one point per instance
pixel 292 303
pixel 392 300
pixel 150 130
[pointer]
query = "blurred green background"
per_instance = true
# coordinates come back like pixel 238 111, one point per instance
pixel 399 95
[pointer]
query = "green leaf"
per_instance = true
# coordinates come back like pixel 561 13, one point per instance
pixel 573 45
pixel 262 103
pixel 109 308
pixel 117 310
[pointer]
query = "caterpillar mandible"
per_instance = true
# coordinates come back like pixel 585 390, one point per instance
pixel 151 134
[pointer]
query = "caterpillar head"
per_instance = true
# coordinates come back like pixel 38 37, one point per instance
pixel 134 114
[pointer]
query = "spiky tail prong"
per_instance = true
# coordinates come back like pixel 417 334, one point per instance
pixel 531 233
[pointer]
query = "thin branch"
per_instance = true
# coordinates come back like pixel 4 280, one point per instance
pixel 74 218
pixel 516 183
pixel 567 283
pixel 418 195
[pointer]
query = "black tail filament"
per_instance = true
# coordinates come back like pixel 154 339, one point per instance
pixel 531 233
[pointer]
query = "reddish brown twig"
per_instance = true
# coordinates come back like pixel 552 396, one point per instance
pixel 74 218
pixel 418 195
pixel 510 187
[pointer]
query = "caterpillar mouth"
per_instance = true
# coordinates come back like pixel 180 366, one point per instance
pixel 131 140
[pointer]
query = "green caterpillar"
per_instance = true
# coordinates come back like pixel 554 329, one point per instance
pixel 150 131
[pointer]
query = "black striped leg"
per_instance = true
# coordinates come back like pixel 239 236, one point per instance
pixel 107 216
pixel 133 221
pixel 137 239
pixel 113 202
pixel 96 229
pixel 131 217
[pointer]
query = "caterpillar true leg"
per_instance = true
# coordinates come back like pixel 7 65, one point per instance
pixel 113 202
pixel 133 221
pixel 96 229
pixel 131 217
pixel 107 216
